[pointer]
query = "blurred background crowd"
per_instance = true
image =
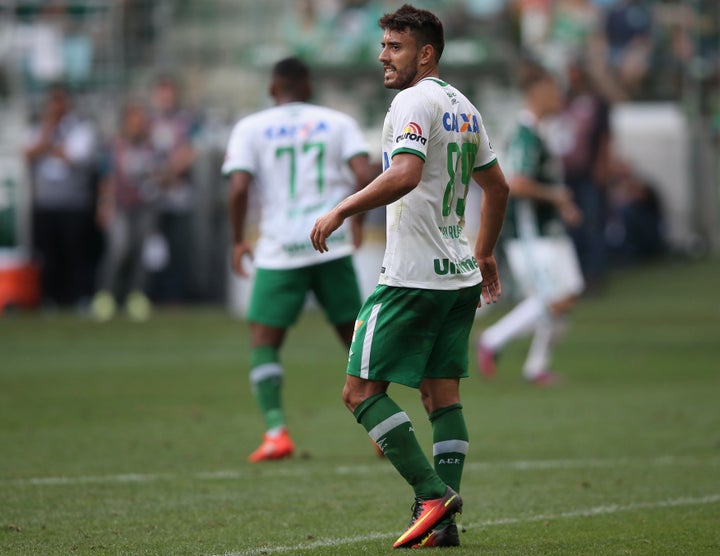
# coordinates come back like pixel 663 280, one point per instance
pixel 115 115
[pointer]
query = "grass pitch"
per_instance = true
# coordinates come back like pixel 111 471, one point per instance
pixel 131 439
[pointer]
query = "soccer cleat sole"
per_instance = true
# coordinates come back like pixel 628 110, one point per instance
pixel 440 537
pixel 447 506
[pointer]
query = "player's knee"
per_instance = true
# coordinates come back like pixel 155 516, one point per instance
pixel 350 397
pixel 357 390
pixel 425 399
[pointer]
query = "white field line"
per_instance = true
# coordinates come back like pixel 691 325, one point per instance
pixel 379 467
pixel 587 512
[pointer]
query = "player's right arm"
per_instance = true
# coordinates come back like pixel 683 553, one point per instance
pixel 239 166
pixel 237 204
pixel 398 180
pixel 525 159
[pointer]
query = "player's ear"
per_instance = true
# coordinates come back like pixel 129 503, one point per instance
pixel 274 87
pixel 427 54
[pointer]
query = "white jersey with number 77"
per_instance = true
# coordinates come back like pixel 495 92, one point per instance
pixel 298 156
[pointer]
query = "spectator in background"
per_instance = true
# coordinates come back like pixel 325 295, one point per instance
pixel 126 210
pixel 573 23
pixel 628 36
pixel 635 228
pixel 533 19
pixel 62 153
pixel 586 162
pixel 172 131
pixel 307 27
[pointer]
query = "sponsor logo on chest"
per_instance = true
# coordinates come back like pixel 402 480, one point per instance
pixel 412 132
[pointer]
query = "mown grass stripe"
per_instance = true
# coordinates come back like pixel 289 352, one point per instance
pixel 587 512
pixel 229 474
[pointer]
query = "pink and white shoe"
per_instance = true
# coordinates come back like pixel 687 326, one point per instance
pixel 486 361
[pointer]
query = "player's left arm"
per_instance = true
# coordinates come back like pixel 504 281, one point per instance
pixel 492 215
pixel 398 180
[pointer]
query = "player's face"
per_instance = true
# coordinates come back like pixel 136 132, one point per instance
pixel 400 59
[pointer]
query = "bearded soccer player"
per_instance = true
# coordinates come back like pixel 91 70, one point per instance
pixel 414 328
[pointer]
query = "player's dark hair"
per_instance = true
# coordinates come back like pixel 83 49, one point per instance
pixel 291 77
pixel 424 25
pixel 530 73
pixel 292 69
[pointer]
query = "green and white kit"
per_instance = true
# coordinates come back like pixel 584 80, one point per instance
pixel 426 246
pixel 297 154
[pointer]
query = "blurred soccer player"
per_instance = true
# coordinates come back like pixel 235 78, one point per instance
pixel 541 257
pixel 414 327
pixel 302 159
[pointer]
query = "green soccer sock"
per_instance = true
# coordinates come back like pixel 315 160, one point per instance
pixel 266 376
pixel 390 427
pixel 450 443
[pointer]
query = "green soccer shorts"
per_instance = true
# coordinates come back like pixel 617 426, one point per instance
pixel 403 335
pixel 278 296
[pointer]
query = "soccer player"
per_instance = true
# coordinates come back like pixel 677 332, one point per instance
pixel 302 159
pixel 541 257
pixel 414 328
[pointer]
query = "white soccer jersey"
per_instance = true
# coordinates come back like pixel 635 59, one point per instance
pixel 297 154
pixel 426 247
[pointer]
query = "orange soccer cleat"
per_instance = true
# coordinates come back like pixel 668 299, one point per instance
pixel 426 514
pixel 273 447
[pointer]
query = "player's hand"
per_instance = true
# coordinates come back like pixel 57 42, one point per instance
pixel 491 287
pixel 239 251
pixel 569 212
pixel 324 226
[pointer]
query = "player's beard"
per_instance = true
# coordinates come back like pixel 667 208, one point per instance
pixel 400 79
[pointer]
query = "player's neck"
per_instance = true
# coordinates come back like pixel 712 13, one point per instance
pixel 288 99
pixel 424 74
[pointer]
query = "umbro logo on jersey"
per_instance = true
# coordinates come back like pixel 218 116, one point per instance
pixel 446 266
pixel 463 123
pixel 412 132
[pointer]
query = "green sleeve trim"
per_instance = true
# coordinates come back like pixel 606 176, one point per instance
pixel 490 164
pixel 410 151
